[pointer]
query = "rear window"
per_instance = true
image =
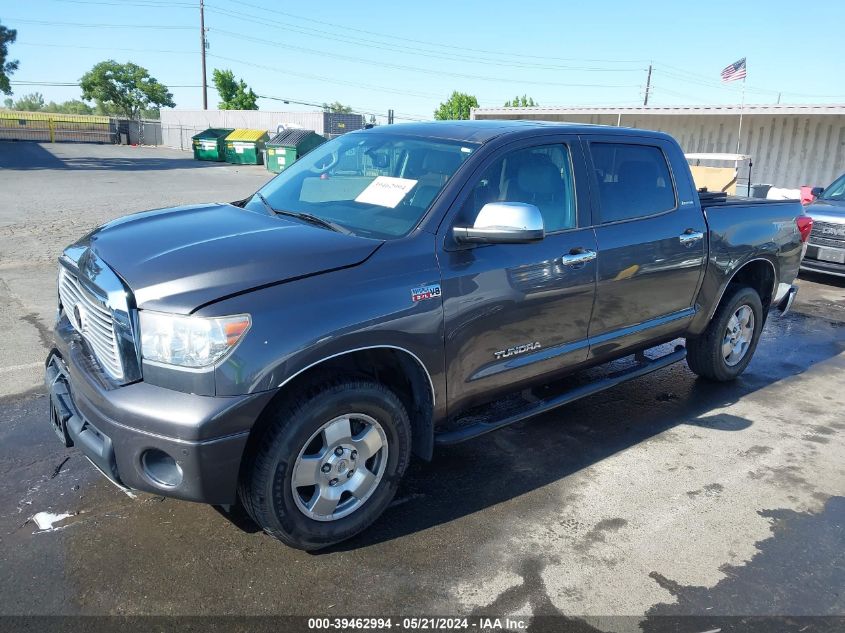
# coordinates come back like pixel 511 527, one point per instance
pixel 633 181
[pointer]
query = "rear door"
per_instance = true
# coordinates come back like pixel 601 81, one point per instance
pixel 516 312
pixel 652 242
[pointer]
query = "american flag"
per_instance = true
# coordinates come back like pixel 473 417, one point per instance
pixel 734 71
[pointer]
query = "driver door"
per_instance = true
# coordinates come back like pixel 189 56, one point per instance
pixel 517 313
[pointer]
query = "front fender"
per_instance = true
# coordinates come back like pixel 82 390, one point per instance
pixel 297 325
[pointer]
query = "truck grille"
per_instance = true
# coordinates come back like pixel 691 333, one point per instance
pixel 97 325
pixel 828 234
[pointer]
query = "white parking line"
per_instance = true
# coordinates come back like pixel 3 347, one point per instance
pixel 6 370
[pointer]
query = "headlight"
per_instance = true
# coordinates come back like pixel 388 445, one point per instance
pixel 189 341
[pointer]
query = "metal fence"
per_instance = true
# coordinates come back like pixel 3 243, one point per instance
pixel 143 132
pixel 52 127
pixel 179 136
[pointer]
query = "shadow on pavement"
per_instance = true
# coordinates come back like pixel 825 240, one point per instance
pixel 27 155
pixel 502 465
pixel 819 278
pixel 800 569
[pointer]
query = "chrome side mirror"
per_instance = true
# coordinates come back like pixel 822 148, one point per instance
pixel 503 223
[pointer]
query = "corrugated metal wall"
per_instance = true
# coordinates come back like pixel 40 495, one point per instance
pixel 788 150
pixel 178 126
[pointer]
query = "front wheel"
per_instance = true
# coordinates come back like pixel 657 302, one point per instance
pixel 724 349
pixel 328 464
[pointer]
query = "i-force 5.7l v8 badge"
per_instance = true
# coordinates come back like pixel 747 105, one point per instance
pixel 430 291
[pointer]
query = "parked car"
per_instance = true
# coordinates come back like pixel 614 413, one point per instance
pixel 394 290
pixel 826 247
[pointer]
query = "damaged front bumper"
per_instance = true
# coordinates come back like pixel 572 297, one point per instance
pixel 146 437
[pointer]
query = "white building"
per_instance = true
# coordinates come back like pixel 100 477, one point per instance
pixel 790 145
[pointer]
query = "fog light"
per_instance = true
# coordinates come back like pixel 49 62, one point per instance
pixel 161 468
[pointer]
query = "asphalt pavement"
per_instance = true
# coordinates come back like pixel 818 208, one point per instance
pixel 664 496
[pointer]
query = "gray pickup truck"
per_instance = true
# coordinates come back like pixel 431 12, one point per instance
pixel 826 246
pixel 397 289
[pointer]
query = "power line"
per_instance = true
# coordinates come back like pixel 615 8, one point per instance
pixel 702 80
pixel 407 117
pixel 107 48
pixel 135 3
pixel 429 43
pixel 382 64
pixel 100 26
pixel 77 84
pixel 323 78
pixel 417 52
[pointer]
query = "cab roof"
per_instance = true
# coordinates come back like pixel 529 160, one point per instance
pixel 482 131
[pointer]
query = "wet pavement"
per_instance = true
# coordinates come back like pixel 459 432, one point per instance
pixel 667 496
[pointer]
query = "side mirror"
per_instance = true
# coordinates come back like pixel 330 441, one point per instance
pixel 503 223
pixel 817 191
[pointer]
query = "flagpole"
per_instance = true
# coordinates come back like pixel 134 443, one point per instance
pixel 741 109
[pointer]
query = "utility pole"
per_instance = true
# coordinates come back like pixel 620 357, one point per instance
pixel 202 53
pixel 647 86
pixel 390 117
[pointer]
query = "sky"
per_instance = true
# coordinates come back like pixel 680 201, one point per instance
pixel 409 56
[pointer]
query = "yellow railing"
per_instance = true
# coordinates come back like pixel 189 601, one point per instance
pixel 50 125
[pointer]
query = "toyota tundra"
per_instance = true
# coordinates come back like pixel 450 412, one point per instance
pixel 394 290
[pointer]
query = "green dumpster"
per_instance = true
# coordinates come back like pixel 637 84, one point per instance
pixel 245 146
pixel 288 145
pixel 210 145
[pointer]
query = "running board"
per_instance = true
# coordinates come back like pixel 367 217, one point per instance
pixel 470 431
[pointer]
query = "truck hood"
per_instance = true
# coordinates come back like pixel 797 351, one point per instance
pixel 179 259
pixel 827 211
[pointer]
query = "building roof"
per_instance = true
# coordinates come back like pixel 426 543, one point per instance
pixel 733 110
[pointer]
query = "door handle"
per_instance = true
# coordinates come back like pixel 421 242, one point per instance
pixel 578 256
pixel 690 236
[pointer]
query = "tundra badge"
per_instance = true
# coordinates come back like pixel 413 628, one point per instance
pixel 519 349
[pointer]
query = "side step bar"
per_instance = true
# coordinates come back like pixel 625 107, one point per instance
pixel 480 428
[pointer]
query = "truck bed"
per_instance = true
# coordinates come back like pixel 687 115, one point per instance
pixel 720 199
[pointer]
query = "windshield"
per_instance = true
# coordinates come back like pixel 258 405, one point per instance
pixel 373 184
pixel 836 191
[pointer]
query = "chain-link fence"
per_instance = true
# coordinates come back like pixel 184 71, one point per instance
pixel 143 132
pixel 179 136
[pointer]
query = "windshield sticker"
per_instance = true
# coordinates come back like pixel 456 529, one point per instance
pixel 386 191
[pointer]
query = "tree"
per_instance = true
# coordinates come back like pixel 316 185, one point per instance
pixel 457 107
pixel 8 103
pixel 73 106
pixel 127 89
pixel 336 107
pixel 7 36
pixel 234 95
pixel 30 103
pixel 521 102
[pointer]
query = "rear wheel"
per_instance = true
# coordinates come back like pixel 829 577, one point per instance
pixel 328 464
pixel 724 349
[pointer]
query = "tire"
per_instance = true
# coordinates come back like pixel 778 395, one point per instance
pixel 302 439
pixel 707 354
